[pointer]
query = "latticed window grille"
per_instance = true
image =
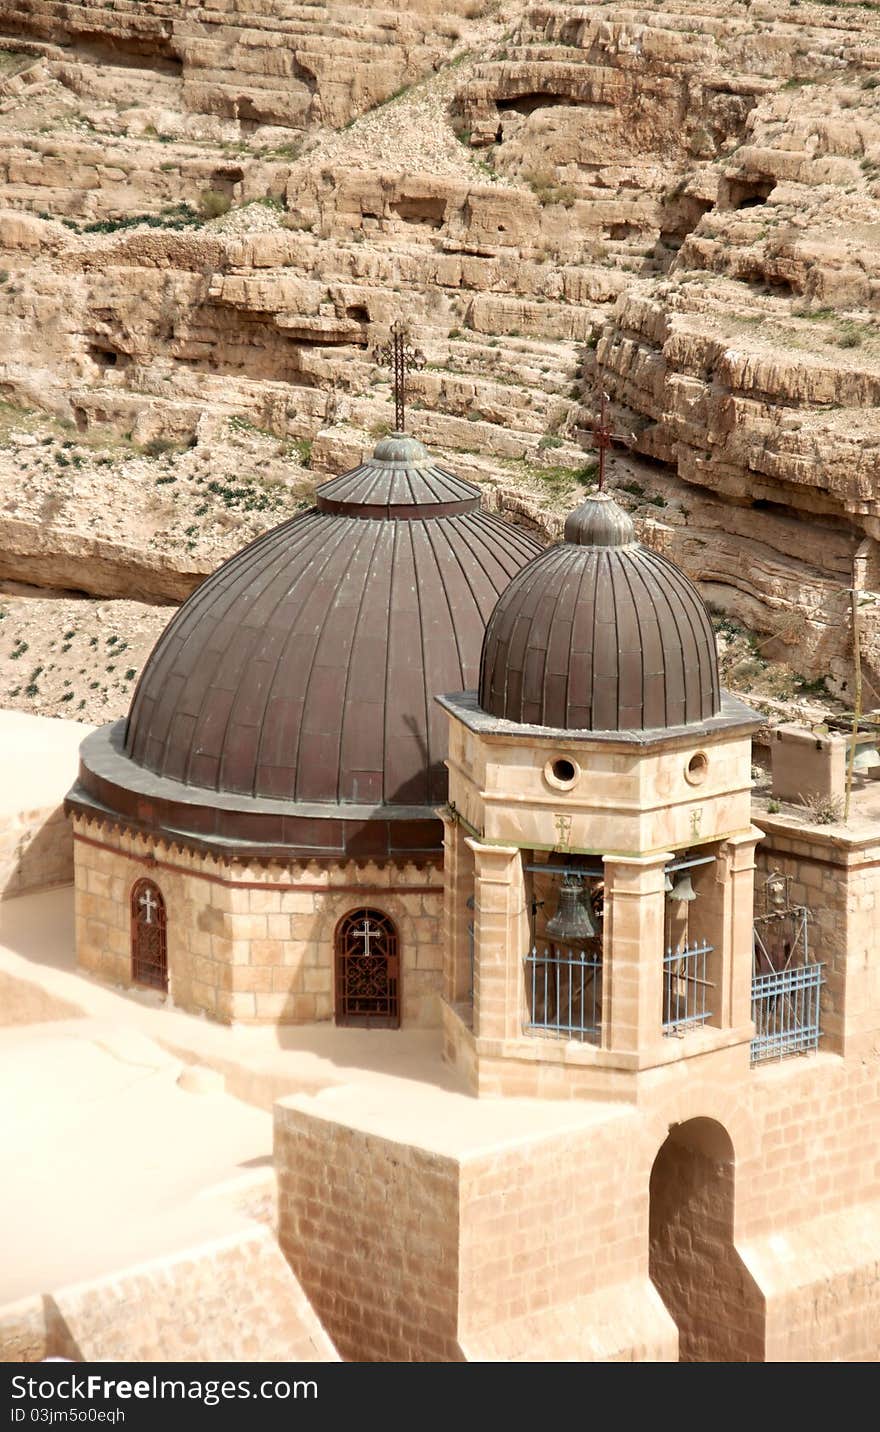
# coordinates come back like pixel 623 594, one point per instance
pixel 686 987
pixel 785 1008
pixel 564 991
pixel 367 970
pixel 786 983
pixel 149 936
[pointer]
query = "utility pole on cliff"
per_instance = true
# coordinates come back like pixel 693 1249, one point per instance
pixel 399 354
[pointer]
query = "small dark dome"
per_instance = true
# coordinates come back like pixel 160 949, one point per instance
pixel 305 668
pixel 600 634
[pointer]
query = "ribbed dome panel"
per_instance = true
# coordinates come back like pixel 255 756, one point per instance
pixel 305 668
pixel 600 638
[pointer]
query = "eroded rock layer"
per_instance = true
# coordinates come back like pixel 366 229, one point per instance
pixel 211 217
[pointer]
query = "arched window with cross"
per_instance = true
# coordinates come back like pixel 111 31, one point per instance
pixel 149 942
pixel 367 970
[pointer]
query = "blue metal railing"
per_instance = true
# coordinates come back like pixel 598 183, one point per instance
pixel 686 988
pixel 785 1008
pixel 564 989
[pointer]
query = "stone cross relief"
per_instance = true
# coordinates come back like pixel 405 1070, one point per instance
pixel 148 904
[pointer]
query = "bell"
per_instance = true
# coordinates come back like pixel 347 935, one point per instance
pixel 667 884
pixel 573 920
pixel 866 758
pixel 683 890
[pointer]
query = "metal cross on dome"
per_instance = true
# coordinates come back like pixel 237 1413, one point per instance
pixel 148 903
pixel 367 932
pixel 605 436
pixel 399 354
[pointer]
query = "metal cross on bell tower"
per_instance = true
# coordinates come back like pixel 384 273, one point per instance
pixel 604 436
pixel 399 354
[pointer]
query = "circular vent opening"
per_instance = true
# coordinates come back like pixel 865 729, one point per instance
pixel 562 773
pixel 697 767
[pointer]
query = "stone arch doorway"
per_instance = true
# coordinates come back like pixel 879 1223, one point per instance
pixel 367 970
pixel 149 936
pixel 694 1265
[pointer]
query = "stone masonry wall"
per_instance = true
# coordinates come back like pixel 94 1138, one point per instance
pixel 250 943
pixel 36 851
pixel 235 1300
pixel 535 1230
pixel 537 1233
pixel 23 1333
pixel 370 1228
pixel 838 879
pixel 825 1280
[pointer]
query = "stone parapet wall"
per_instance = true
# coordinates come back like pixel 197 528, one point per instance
pixel 836 875
pixel 823 1282
pixel 36 851
pixel 235 1300
pixel 38 760
pixel 536 1222
pixel 248 942
pixel 23 1331
pixel 371 1229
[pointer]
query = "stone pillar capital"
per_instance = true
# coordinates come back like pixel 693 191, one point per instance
pixel 492 861
pixel 637 874
pixel 738 851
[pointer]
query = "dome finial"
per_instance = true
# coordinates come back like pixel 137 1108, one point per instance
pixel 600 522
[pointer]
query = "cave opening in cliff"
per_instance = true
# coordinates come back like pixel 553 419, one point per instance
pixel 421 209
pixel 747 193
pixel 107 357
pixel 528 103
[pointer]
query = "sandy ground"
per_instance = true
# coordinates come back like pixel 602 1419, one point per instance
pixel 94 1121
pixel 260 1064
pixel 107 1161
pixel 38 760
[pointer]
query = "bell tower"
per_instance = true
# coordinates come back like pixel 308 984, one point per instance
pixel 599 820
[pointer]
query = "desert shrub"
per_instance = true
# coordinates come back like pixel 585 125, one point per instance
pixel 823 809
pixel 157 447
pixel 212 204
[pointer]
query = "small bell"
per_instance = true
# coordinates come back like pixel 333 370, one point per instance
pixel 573 920
pixel 683 890
pixel 667 884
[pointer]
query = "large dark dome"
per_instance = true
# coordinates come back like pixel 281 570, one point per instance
pixel 298 681
pixel 600 634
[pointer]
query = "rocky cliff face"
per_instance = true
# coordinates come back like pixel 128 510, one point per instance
pixel 212 215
